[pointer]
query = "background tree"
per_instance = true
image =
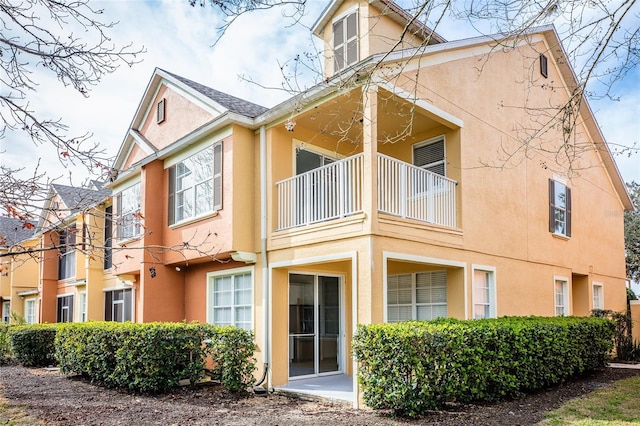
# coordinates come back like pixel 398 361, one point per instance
pixel 37 36
pixel 632 234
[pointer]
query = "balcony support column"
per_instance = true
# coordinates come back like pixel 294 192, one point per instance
pixel 370 156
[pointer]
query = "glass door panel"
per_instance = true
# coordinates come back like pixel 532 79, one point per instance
pixel 301 325
pixel 314 325
pixel 329 324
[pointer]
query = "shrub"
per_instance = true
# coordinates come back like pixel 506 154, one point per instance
pixel 5 344
pixel 232 349
pixel 412 367
pixel 32 345
pixel 153 357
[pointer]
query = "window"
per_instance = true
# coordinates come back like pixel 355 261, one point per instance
pixel 82 313
pixel 67 253
pixel 129 212
pixel 543 66
pixel 6 312
pixel 308 160
pixel 160 110
pixel 195 185
pixel 65 309
pixel 484 294
pixel 430 156
pixel 30 311
pixel 561 297
pixel 598 296
pixel 345 41
pixel 118 305
pixel 108 237
pixel 559 208
pixel 420 296
pixel 230 299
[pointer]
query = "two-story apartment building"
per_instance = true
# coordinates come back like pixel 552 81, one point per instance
pixel 410 184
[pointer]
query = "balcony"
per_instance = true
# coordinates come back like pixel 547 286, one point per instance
pixel 335 191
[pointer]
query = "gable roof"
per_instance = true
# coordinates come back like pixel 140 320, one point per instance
pixel 390 9
pixel 14 231
pixel 78 199
pixel 231 103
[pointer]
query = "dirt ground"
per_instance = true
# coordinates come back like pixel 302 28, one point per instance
pixel 55 399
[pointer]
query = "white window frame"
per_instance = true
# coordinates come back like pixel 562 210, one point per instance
pixel 562 309
pixel 128 222
pixel 414 302
pixel 212 276
pixel 346 40
pixel 67 252
pixel 82 306
pixel 598 304
pixel 491 283
pixel 430 166
pixel 30 309
pixel 212 181
pixel 554 223
pixel 112 290
pixel 70 312
pixel 6 312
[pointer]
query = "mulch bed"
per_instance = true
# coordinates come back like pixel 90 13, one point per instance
pixel 55 399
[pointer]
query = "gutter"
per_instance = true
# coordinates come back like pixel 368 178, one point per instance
pixel 266 350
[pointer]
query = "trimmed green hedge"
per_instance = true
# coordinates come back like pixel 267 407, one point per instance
pixel 153 357
pixel 32 345
pixel 5 344
pixel 415 366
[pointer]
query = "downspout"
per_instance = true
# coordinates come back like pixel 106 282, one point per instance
pixel 263 249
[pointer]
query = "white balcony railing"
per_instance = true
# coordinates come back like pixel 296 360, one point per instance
pixel 329 192
pixel 335 191
pixel 408 191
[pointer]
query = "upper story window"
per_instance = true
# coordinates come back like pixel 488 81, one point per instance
pixel 108 237
pixel 67 253
pixel 195 185
pixel 128 219
pixel 160 110
pixel 559 208
pixel 345 41
pixel 430 156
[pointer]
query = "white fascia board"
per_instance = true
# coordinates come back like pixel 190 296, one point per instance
pixel 142 142
pixel 451 120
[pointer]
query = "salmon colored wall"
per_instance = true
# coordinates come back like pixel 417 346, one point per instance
pixel 181 117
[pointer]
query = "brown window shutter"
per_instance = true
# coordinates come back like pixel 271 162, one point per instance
pixel 568 212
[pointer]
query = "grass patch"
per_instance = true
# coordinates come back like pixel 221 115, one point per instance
pixel 15 416
pixel 617 404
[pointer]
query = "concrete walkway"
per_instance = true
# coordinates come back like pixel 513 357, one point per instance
pixel 624 365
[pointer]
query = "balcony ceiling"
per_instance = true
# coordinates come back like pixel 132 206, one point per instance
pixel 341 118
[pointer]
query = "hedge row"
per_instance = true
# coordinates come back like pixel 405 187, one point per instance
pixel 412 367
pixel 153 357
pixel 32 345
pixel 5 344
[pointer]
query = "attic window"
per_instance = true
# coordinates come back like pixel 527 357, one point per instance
pixel 543 66
pixel 160 111
pixel 345 41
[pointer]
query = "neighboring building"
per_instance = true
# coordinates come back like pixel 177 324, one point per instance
pixel 366 199
pixel 17 273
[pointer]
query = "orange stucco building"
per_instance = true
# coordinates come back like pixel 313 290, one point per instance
pixel 408 185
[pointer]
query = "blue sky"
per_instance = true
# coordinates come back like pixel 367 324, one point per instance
pixel 179 38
